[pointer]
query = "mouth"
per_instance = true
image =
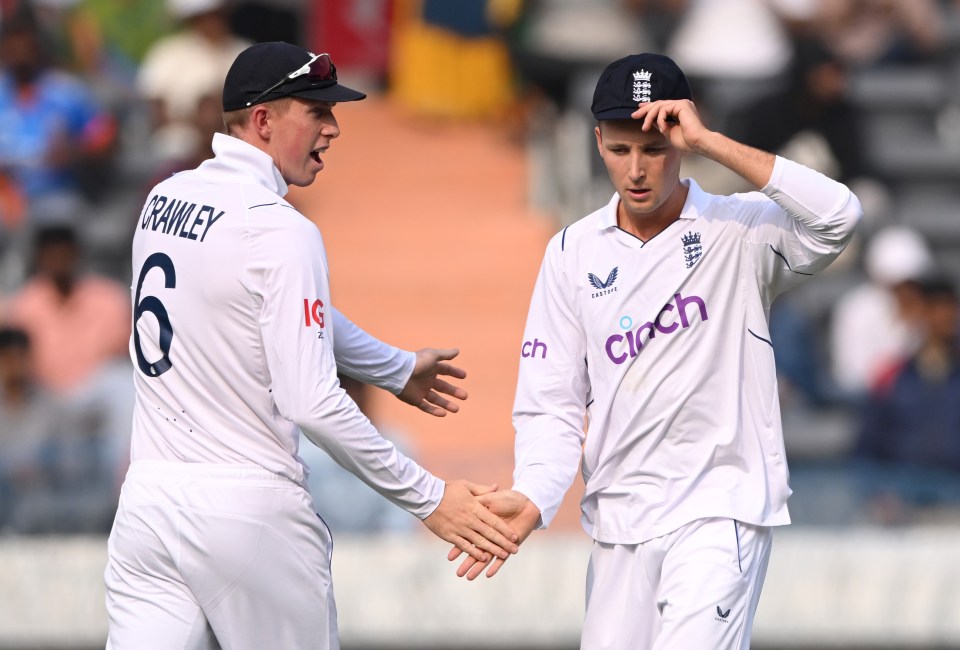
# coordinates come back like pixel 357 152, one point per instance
pixel 315 155
pixel 638 193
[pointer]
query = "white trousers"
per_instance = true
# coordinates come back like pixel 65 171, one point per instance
pixel 697 587
pixel 217 556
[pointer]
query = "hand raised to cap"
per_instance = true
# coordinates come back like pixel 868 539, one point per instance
pixel 425 389
pixel 677 119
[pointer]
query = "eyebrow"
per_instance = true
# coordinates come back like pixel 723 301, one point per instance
pixel 321 107
pixel 657 143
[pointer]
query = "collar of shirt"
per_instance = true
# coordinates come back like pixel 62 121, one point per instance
pixel 695 205
pixel 238 156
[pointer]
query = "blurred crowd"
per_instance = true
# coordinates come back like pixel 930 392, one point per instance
pixel 101 98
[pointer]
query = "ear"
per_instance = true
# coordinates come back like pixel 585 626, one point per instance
pixel 261 122
pixel 599 134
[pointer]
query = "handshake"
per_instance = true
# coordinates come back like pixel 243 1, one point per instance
pixel 485 524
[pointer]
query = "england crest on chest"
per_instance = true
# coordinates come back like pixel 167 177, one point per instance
pixel 692 248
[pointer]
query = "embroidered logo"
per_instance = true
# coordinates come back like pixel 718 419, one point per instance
pixel 642 86
pixel 603 287
pixel 722 615
pixel 692 250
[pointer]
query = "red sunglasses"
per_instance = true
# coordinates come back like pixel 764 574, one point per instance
pixel 318 68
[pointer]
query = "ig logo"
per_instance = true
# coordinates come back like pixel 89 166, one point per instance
pixel 311 312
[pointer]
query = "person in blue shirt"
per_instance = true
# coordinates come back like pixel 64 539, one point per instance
pixel 50 126
pixel 909 444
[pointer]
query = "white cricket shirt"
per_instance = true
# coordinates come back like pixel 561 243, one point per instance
pixel 234 333
pixel 664 347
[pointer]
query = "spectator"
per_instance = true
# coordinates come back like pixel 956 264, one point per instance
pixel 832 41
pixel 79 322
pixel 30 422
pixel 867 33
pixel 732 50
pixel 813 98
pixel 80 326
pixel 910 433
pixel 50 127
pixel 52 477
pixel 876 323
pixel 182 75
pixel 105 41
pixel 348 504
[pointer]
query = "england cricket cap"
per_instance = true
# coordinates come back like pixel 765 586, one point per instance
pixel 634 80
pixel 267 71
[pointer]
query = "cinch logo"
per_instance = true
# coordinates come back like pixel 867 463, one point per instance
pixel 312 313
pixel 618 352
pixel 530 349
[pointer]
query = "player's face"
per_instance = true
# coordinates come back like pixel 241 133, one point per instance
pixel 300 137
pixel 644 168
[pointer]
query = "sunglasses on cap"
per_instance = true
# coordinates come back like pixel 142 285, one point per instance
pixel 318 68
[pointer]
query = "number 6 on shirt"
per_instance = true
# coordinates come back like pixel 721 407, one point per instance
pixel 153 305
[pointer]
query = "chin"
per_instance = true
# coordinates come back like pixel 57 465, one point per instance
pixel 642 206
pixel 303 182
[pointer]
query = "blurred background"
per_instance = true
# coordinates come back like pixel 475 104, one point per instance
pixel 474 146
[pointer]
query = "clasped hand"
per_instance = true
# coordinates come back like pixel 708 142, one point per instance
pixel 510 506
pixel 463 520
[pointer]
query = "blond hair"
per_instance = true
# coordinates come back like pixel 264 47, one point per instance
pixel 236 121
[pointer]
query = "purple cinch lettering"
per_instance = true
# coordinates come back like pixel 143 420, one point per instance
pixel 634 338
pixel 640 342
pixel 614 338
pixel 539 345
pixel 682 306
pixel 660 327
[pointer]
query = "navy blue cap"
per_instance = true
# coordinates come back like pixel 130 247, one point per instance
pixel 263 65
pixel 634 80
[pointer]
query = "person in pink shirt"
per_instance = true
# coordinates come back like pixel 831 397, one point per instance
pixel 78 321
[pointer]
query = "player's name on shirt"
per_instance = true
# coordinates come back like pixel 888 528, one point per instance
pixel 177 218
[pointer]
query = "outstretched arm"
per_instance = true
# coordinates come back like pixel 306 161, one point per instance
pixel 366 358
pixel 414 377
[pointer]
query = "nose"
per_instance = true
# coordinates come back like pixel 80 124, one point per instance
pixel 636 170
pixel 331 128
